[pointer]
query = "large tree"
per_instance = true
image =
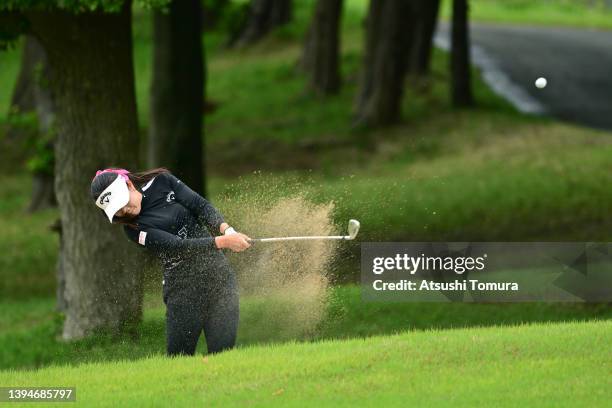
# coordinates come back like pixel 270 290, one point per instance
pixel 320 59
pixel 390 26
pixel 89 49
pixel 177 93
pixel 461 79
pixel 265 15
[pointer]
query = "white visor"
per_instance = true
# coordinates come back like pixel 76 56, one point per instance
pixel 114 197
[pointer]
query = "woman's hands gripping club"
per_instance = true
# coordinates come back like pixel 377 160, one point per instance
pixel 236 241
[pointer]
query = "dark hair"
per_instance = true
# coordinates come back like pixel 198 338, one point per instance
pixel 102 181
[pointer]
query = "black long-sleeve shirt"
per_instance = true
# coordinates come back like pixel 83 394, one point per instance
pixel 170 219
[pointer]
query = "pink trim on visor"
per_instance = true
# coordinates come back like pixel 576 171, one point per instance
pixel 122 172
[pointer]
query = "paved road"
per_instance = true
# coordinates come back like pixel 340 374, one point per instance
pixel 577 64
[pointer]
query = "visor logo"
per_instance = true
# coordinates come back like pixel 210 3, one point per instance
pixel 105 198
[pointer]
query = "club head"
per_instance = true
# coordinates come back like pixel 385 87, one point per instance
pixel 353 229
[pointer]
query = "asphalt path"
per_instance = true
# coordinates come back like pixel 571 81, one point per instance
pixel 576 62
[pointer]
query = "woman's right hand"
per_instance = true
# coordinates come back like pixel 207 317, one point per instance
pixel 236 242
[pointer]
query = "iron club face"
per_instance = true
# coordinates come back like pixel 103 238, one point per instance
pixel 353 229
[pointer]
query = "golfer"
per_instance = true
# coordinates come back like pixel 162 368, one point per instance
pixel 163 215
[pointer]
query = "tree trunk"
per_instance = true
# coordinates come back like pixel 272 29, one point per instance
pixel 177 93
pixel 461 81
pixel 264 15
pixel 92 79
pixel 425 30
pixel 388 40
pixel 321 49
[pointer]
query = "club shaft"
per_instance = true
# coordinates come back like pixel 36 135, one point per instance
pixel 299 238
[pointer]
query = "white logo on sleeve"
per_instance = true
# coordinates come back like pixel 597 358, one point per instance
pixel 170 196
pixel 142 237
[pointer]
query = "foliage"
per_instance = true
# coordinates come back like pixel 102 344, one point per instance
pixel 233 18
pixel 13 23
pixel 11 26
pixel 42 160
pixel 77 6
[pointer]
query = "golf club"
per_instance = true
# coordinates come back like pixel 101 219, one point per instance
pixel 353 229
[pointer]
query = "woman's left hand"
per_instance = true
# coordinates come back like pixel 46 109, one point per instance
pixel 237 242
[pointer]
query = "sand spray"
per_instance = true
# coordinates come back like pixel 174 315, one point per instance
pixel 283 285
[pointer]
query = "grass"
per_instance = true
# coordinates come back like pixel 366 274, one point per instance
pixel 28 264
pixel 513 186
pixel 29 328
pixel 510 182
pixel 530 365
pixel 590 14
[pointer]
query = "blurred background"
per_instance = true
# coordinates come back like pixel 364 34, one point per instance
pixel 420 118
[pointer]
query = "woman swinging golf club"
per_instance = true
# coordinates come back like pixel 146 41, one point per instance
pixel 168 218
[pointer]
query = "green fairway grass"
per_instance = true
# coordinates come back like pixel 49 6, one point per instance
pixel 30 329
pixel 530 365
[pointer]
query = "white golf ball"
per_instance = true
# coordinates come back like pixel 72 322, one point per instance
pixel 541 83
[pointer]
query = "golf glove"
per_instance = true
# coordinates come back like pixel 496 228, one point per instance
pixel 229 231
